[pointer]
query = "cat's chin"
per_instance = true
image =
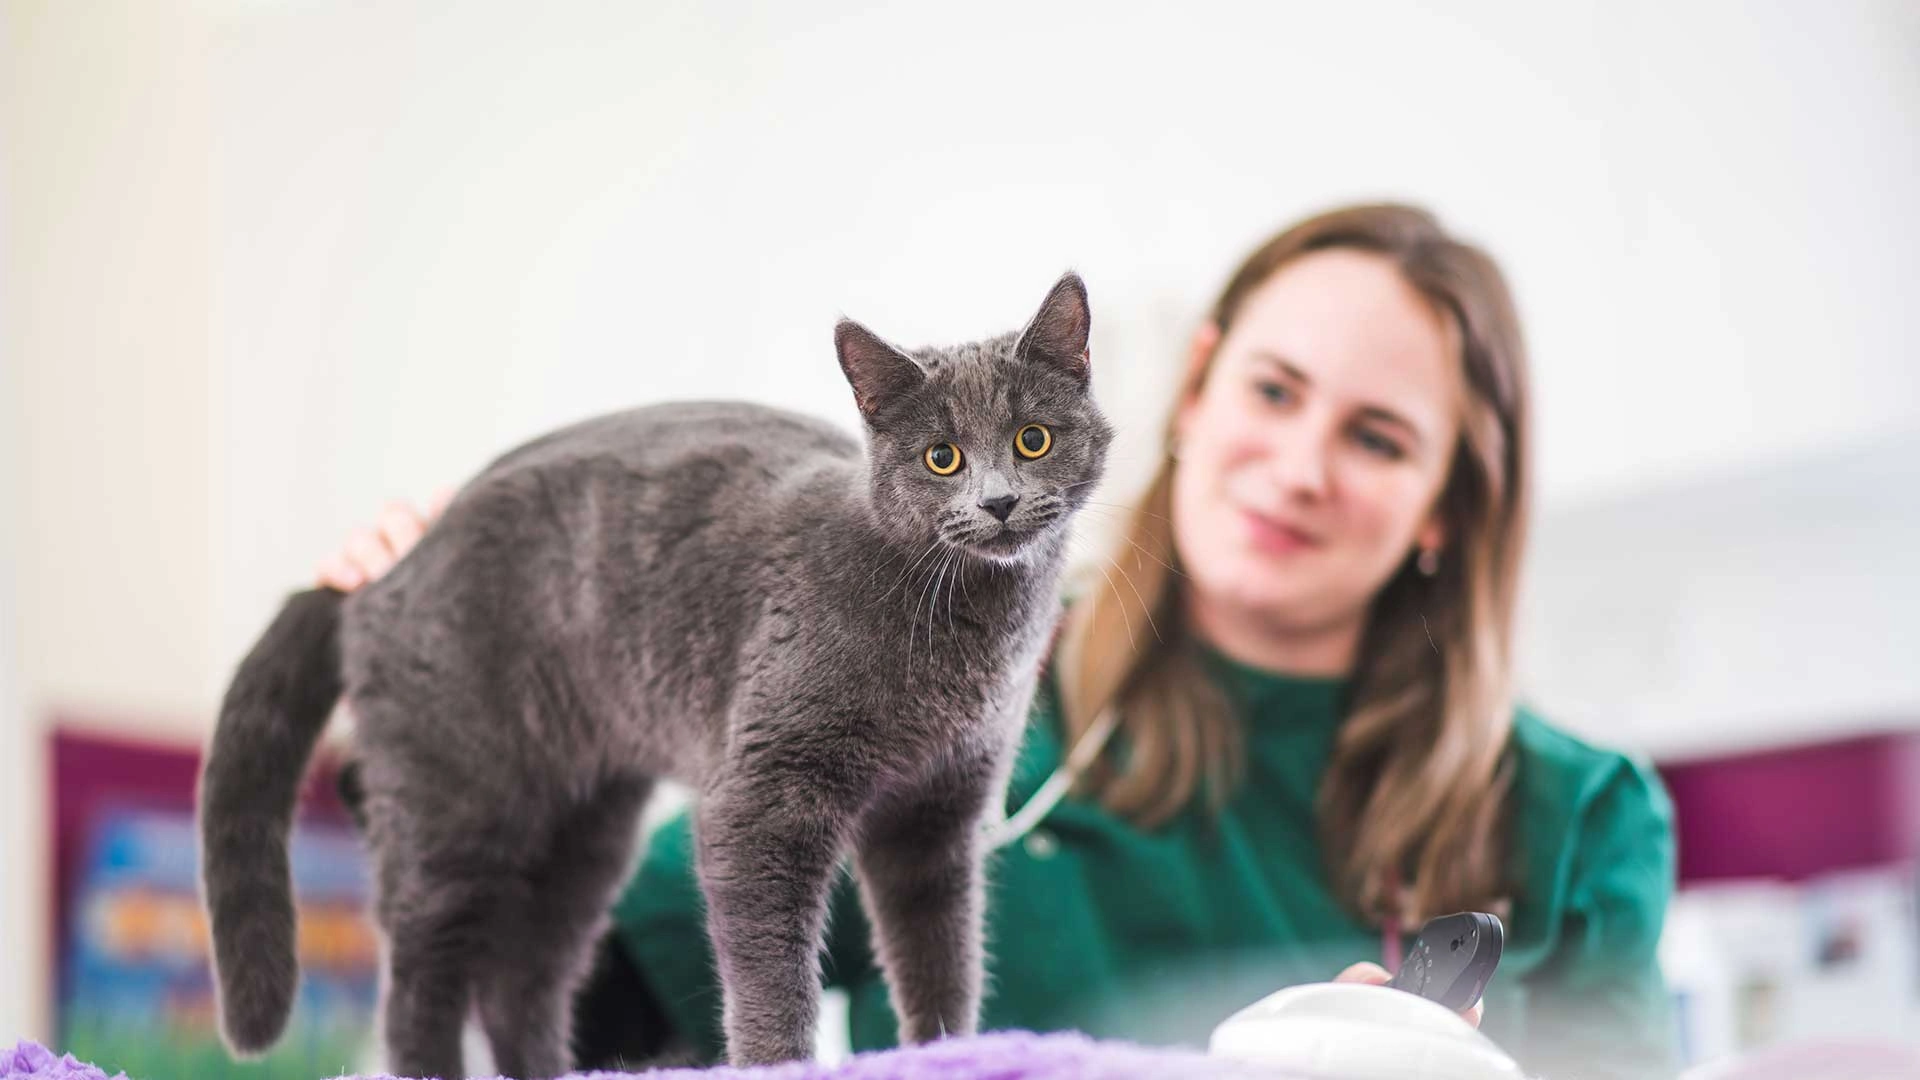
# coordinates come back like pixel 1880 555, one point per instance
pixel 1005 546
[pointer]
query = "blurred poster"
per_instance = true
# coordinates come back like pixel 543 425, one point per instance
pixel 134 969
pixel 140 994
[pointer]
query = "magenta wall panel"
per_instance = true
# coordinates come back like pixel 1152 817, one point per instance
pixel 1798 811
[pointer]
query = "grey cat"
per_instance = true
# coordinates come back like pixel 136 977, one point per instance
pixel 834 648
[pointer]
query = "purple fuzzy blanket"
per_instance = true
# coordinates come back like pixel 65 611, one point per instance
pixel 31 1061
pixel 1006 1056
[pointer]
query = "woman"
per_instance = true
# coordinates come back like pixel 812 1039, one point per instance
pixel 1306 657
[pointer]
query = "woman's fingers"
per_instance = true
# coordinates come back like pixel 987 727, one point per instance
pixel 335 572
pixel 369 553
pixel 401 527
pixel 1375 975
pixel 437 503
pixel 1364 972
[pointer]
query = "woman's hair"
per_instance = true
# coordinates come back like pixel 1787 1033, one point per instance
pixel 1413 796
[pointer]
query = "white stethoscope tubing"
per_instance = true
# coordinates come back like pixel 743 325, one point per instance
pixel 1085 750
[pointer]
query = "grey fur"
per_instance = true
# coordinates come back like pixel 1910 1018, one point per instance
pixel 824 643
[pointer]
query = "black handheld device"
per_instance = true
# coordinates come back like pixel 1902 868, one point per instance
pixel 1452 959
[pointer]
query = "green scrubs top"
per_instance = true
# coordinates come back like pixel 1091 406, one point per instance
pixel 1156 936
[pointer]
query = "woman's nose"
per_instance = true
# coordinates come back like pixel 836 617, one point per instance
pixel 1298 463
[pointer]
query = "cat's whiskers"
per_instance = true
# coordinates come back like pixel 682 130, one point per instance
pixel 911 567
pixel 896 555
pixel 1145 609
pixel 959 575
pixel 1129 509
pixel 963 588
pixel 913 619
pixel 1136 545
pixel 1089 556
pixel 952 564
pixel 928 591
pixel 1124 619
pixel 933 616
pixel 933 600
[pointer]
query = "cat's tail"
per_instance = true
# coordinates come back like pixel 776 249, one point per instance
pixel 273 714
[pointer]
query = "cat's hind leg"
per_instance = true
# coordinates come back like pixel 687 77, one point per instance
pixel 550 914
pixel 432 907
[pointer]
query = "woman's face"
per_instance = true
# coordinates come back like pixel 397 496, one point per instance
pixel 1312 457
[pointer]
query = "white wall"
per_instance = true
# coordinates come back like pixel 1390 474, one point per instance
pixel 1768 606
pixel 104 177
pixel 105 520
pixel 23 852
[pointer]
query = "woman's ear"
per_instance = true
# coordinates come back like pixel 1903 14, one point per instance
pixel 1200 350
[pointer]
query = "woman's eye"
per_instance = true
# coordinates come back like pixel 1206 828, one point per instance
pixel 1375 443
pixel 943 459
pixel 1274 392
pixel 1033 441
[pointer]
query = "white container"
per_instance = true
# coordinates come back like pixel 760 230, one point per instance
pixel 1353 1031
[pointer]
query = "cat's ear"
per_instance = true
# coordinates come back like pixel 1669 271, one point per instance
pixel 1058 332
pixel 877 371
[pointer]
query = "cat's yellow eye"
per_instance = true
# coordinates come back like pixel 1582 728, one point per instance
pixel 943 459
pixel 1033 441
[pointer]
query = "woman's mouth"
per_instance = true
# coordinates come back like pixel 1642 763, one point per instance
pixel 1276 537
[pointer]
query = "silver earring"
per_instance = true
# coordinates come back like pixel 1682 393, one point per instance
pixel 1429 562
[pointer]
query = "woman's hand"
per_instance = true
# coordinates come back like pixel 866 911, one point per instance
pixel 1376 975
pixel 371 552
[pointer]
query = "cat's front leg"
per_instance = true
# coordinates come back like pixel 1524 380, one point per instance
pixel 920 868
pixel 768 851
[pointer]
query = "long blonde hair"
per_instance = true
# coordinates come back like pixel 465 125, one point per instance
pixel 1411 806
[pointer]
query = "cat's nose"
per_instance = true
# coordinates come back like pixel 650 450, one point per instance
pixel 999 505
